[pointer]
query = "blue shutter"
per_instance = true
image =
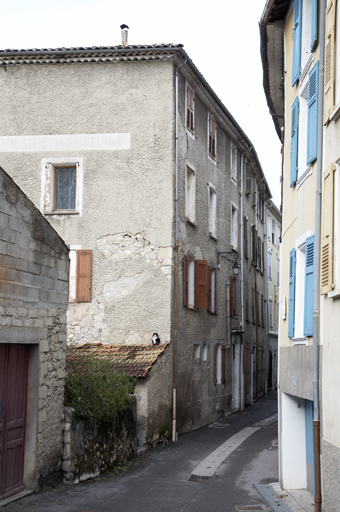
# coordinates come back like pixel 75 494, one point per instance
pixel 294 142
pixel 309 287
pixel 297 41
pixel 291 307
pixel 314 37
pixel 312 127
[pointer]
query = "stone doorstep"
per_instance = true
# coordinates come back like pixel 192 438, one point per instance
pixel 299 500
pixel 15 497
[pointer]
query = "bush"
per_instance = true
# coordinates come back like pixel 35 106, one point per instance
pixel 96 390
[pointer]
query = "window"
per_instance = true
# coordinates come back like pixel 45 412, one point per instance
pixel 212 298
pixel 270 312
pixel 304 36
pixel 248 178
pixel 268 226
pixel 233 296
pixel 253 305
pixel 273 231
pixel 253 238
pixel 219 364
pixel 212 137
pixel 61 185
pixel 188 282
pixel 80 274
pixel 278 270
pixel 190 196
pixel 205 352
pixel 233 161
pixel 212 209
pixel 246 293
pixel 269 264
pixel 197 351
pixel 245 236
pixel 234 227
pixel 262 310
pixel 190 111
pixel 301 289
pixel 329 228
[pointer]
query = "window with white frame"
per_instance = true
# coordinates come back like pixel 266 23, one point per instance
pixel 190 110
pixel 270 312
pixel 61 185
pixel 212 290
pixel 273 232
pixel 270 264
pixel 212 209
pixel 212 129
pixel 233 161
pixel 278 270
pixel 305 33
pixel 234 226
pixel 190 195
pixel 268 226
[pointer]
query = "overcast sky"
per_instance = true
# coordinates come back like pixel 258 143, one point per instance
pixel 220 36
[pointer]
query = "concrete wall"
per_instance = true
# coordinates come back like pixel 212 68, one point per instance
pixel 33 304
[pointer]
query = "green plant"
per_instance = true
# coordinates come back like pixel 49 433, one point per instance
pixel 95 389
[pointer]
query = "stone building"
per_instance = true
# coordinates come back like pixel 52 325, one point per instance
pixel 33 305
pixel 138 165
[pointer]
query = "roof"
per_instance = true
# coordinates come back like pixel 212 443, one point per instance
pixel 134 360
pixel 272 53
pixel 106 54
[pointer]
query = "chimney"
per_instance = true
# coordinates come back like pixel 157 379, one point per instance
pixel 124 34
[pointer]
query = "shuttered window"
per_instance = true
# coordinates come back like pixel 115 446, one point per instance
pixel 297 41
pixel 84 276
pixel 233 296
pixel 190 110
pixel 309 287
pixel 329 96
pixel 294 143
pixel 314 27
pixel 327 231
pixel 291 307
pixel 245 236
pixel 212 138
pixel 312 128
pixel 201 284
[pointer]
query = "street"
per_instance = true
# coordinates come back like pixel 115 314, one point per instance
pixel 214 468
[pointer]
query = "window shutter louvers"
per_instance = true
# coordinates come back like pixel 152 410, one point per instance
pixel 297 41
pixel 312 130
pixel 329 62
pixel 309 287
pixel 314 27
pixel 84 276
pixel 201 284
pixel 291 308
pixel 327 231
pixel 185 280
pixel 294 143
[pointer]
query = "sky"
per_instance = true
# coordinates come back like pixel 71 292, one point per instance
pixel 220 36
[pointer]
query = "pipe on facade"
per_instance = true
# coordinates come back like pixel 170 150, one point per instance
pixel 227 291
pixel 174 391
pixel 242 282
pixel 316 302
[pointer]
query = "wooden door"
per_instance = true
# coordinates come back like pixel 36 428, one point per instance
pixel 13 398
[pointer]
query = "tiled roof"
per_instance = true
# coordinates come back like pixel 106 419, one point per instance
pixel 76 55
pixel 134 360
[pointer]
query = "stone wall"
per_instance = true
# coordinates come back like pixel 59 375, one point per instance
pixel 33 305
pixel 91 449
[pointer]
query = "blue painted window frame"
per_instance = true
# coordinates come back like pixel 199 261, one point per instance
pixel 294 143
pixel 291 304
pixel 296 61
pixel 309 287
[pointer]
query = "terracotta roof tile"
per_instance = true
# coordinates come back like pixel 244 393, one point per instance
pixel 134 360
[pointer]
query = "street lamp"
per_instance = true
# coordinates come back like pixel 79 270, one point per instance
pixel 222 255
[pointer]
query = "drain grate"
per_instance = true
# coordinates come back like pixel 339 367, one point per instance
pixel 198 478
pixel 246 508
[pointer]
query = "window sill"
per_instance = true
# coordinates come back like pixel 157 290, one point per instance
pixel 304 176
pixel 189 132
pixel 191 222
pixel 233 180
pixel 300 341
pixel 213 237
pixel 335 294
pixel 212 312
pixel 212 159
pixel 62 212
pixel 191 308
pixel 335 114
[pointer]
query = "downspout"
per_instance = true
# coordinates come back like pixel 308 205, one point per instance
pixel 266 294
pixel 242 284
pixel 316 304
pixel 174 403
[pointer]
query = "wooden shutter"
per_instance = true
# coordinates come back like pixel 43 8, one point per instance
pixel 201 284
pixel 314 36
pixel 209 289
pixel 329 99
pixel 223 351
pixel 185 280
pixel 291 308
pixel 312 126
pixel 297 41
pixel 309 287
pixel 294 143
pixel 84 276
pixel 327 231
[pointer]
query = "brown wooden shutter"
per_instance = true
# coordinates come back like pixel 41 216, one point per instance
pixel 201 284
pixel 215 365
pixel 329 61
pixel 84 276
pixel 223 363
pixel 185 280
pixel 327 231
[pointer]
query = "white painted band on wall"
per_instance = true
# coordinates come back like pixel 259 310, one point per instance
pixel 74 142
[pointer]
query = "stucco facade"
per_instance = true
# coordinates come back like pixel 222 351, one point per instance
pixel 148 208
pixel 33 305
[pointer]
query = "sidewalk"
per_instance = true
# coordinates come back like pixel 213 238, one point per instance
pixel 295 500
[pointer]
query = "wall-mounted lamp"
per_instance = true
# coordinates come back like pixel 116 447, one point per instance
pixel 222 255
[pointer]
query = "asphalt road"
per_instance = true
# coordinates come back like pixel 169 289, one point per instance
pixel 212 469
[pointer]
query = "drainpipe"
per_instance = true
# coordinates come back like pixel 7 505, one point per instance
pixel 242 283
pixel 227 290
pixel 316 304
pixel 174 403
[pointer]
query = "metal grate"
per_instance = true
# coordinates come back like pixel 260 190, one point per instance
pixel 198 478
pixel 246 508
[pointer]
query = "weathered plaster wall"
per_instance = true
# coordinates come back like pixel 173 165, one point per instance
pixel 127 201
pixel 33 304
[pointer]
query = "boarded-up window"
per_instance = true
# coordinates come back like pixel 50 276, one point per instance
pixel 84 276
pixel 201 284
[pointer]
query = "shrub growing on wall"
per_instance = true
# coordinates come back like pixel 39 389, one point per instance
pixel 96 389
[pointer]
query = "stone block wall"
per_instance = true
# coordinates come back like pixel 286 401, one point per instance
pixel 33 306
